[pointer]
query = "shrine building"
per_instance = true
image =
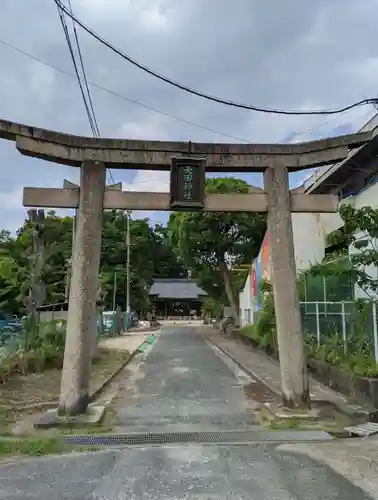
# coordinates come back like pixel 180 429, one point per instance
pixel 176 298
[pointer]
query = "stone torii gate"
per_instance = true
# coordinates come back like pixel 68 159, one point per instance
pixel 93 156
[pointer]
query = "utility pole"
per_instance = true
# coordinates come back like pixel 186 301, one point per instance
pixel 128 265
pixel 37 288
pixel 69 263
pixel 114 290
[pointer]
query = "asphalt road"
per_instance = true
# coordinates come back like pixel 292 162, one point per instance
pixel 182 384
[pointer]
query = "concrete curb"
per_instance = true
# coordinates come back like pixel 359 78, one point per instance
pixel 38 406
pixel 111 378
pixel 146 331
pixel 347 410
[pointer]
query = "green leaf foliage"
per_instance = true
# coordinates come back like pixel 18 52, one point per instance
pixel 151 256
pixel 211 244
pixel 358 238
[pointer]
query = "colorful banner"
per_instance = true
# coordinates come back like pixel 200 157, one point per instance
pixel 260 271
pixel 253 280
pixel 265 259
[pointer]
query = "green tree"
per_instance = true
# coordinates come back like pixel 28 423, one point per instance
pixel 356 253
pixel 151 256
pixel 167 261
pixel 10 275
pixel 211 244
pixel 113 259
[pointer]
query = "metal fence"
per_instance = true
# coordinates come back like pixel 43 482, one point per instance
pixel 11 337
pixel 325 288
pixel 353 322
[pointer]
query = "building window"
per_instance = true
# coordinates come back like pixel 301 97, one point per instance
pixel 371 179
pixel 347 191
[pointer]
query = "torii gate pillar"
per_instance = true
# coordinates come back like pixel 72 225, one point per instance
pixel 293 366
pixel 74 393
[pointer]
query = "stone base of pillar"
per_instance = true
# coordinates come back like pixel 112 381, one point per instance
pixel 52 418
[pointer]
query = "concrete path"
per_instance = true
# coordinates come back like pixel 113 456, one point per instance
pixel 267 369
pixel 183 383
pixel 124 342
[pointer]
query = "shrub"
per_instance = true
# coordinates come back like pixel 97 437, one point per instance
pixel 265 329
pixel 359 357
pixel 31 361
pixel 52 333
pixel 248 331
pixel 53 356
pixel 6 365
pixel 37 351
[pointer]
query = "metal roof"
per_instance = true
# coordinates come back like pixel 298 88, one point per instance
pixel 179 288
pixel 327 178
pixel 341 173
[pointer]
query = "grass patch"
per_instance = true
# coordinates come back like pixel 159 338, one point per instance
pixel 32 446
pixel 38 447
pixel 248 331
pixel 288 424
pixel 104 427
pixel 36 388
pixel 332 423
pixel 7 419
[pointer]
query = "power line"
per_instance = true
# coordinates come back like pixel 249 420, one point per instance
pixel 151 108
pixel 88 107
pixel 318 125
pixel 70 48
pixel 84 72
pixel 120 96
pixel 209 97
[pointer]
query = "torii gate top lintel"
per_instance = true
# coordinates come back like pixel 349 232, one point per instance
pixel 156 155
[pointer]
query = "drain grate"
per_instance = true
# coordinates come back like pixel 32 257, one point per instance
pixel 205 437
pixel 363 430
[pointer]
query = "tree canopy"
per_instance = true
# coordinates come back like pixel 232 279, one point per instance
pixel 355 250
pixel 151 256
pixel 213 244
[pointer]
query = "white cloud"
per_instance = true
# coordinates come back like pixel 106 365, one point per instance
pixel 364 69
pixel 11 200
pixel 42 78
pixel 291 55
pixel 10 203
pixel 103 9
pixel 155 18
pixel 148 181
pixel 150 129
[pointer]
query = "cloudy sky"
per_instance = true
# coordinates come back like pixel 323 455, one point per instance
pixel 292 55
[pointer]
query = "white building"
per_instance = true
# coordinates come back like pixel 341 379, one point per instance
pixel 246 303
pixel 354 180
